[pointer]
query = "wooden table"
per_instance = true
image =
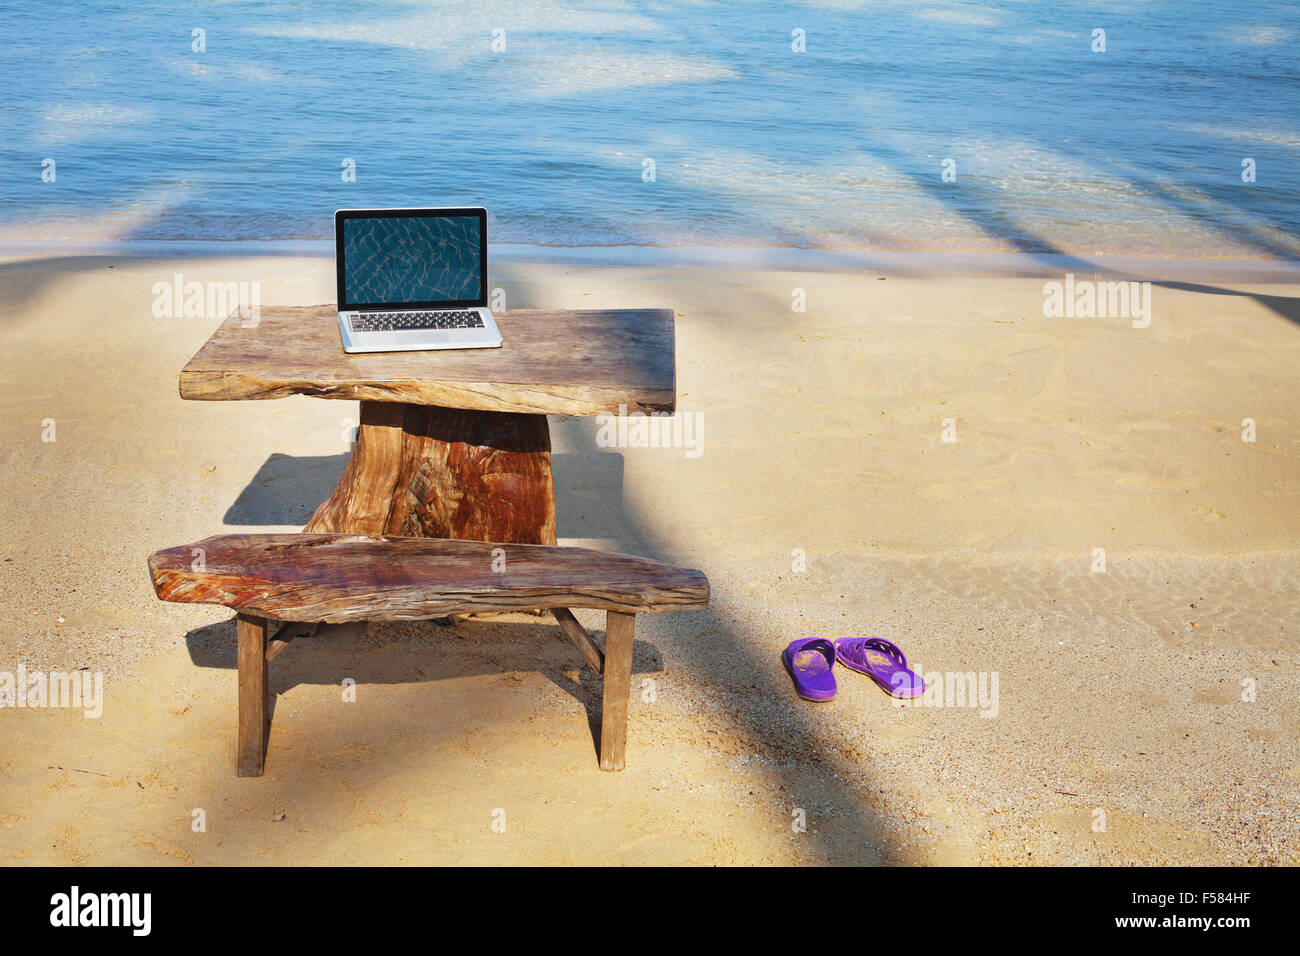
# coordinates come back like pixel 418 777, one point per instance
pixel 452 444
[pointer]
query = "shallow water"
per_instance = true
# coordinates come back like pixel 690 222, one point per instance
pixel 1056 148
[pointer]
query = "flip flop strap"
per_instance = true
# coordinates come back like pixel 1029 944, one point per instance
pixel 826 648
pixel 821 644
pixel 888 648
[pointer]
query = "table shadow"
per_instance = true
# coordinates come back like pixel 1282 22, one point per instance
pixel 287 489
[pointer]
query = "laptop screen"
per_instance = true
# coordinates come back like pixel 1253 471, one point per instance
pixel 388 258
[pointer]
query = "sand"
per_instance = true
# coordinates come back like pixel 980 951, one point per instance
pixel 825 502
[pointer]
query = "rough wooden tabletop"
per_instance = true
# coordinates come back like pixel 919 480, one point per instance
pixel 559 362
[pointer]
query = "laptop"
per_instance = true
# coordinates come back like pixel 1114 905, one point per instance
pixel 413 279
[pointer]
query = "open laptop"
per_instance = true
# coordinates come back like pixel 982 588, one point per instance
pixel 411 279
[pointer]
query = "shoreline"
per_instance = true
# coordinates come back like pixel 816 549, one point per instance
pixel 728 258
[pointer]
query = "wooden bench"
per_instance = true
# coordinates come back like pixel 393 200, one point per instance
pixel 281 585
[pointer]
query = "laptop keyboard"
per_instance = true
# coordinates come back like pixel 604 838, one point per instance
pixel 396 321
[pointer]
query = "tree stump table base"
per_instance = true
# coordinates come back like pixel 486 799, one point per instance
pixel 422 471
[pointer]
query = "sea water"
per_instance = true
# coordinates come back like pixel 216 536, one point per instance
pixel 1152 128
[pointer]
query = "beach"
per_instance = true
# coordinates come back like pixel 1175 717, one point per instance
pixel 1071 510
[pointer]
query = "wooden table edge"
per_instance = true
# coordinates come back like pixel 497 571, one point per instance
pixel 539 399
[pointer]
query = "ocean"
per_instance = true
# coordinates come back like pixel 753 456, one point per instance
pixel 943 126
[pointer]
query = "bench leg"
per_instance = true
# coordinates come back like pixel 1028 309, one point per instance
pixel 620 631
pixel 254 698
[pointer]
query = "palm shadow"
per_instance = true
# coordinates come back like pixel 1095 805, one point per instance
pixel 982 209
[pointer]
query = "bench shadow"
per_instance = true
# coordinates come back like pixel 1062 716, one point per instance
pixel 436 650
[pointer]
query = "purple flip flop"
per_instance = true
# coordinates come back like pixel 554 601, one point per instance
pixel 810 661
pixel 882 661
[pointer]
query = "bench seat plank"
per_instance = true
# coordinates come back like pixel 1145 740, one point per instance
pixel 335 578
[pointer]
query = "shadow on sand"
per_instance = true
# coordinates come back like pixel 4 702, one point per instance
pixel 337 651
pixel 720 660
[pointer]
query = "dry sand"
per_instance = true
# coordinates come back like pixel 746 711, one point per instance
pixel 1119 692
